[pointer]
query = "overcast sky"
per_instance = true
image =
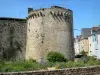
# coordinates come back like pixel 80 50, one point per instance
pixel 86 12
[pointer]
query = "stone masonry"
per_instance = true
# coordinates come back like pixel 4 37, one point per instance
pixel 48 30
pixel 12 38
pixel 44 30
pixel 69 71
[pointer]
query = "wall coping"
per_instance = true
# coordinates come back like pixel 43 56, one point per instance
pixel 15 19
pixel 39 71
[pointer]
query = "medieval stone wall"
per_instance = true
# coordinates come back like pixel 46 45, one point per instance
pixel 49 29
pixel 69 71
pixel 12 38
pixel 45 30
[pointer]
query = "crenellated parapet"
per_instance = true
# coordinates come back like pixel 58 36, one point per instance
pixel 36 15
pixel 57 13
pixel 62 15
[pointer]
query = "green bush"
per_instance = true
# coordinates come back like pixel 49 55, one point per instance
pixel 56 57
pixel 31 60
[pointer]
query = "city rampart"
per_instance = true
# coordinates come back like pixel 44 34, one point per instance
pixel 12 38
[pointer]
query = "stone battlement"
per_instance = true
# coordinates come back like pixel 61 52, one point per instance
pixel 54 10
pixel 31 9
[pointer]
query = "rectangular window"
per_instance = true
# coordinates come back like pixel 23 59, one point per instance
pixel 94 37
pixel 96 49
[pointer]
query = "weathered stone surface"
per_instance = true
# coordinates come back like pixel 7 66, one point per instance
pixel 69 71
pixel 12 36
pixel 44 30
pixel 49 30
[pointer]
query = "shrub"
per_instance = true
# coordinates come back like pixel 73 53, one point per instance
pixel 84 59
pixel 56 57
pixel 83 53
pixel 31 60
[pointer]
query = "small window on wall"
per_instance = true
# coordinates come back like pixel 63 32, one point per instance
pixel 95 39
pixel 0 44
pixel 96 49
pixel 29 30
pixel 0 36
pixel 29 23
pixel 0 31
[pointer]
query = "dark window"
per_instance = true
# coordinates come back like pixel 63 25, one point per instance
pixel 0 31
pixel 0 44
pixel 96 49
pixel 29 24
pixel 29 30
pixel 42 41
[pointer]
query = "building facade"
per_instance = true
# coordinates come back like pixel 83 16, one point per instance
pixel 82 43
pixel 94 42
pixel 77 45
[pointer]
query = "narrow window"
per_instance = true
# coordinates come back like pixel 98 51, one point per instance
pixel 29 23
pixel 0 31
pixel 29 30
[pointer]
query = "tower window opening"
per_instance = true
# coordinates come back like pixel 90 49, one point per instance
pixel 42 41
pixel 29 30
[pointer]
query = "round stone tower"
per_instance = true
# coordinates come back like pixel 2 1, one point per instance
pixel 49 29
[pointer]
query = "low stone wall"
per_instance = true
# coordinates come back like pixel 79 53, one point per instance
pixel 69 71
